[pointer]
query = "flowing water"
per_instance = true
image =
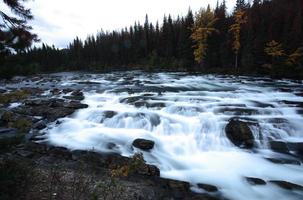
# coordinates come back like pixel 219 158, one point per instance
pixel 186 116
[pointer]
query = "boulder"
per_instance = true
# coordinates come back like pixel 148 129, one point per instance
pixel 143 144
pixel 279 146
pixel 296 147
pixel 239 133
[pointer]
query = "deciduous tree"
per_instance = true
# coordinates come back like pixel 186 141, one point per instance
pixel 240 19
pixel 202 29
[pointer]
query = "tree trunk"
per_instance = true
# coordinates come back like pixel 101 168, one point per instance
pixel 236 62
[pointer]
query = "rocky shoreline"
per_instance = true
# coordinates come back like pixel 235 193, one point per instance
pixel 20 129
pixel 59 173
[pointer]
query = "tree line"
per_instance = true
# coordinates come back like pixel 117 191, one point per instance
pixel 262 37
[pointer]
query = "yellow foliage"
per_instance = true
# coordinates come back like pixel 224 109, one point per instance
pixel 240 18
pixel 274 49
pixel 202 29
pixel 295 57
pixel 135 163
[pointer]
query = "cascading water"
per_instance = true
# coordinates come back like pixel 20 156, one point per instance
pixel 186 117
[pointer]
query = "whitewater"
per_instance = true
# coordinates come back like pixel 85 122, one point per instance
pixel 186 115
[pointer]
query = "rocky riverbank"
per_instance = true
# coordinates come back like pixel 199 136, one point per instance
pixel 175 126
pixel 37 170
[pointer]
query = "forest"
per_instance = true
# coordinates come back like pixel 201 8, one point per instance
pixel 257 38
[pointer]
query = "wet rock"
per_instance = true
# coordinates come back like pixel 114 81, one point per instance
pixel 67 90
pixel 287 185
pixel 139 104
pixel 75 95
pixel 237 111
pixel 109 114
pixel 297 147
pixel 78 98
pixel 111 145
pixel 143 144
pixel 2 91
pixel 279 146
pixel 7 131
pixel 37 102
pixel 283 161
pixel 40 124
pixel 239 133
pixel 75 105
pixel 207 187
pixel 255 181
pixel 55 91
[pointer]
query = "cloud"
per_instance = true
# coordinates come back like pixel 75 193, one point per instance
pixel 60 21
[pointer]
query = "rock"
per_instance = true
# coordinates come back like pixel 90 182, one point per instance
pixel 296 147
pixel 287 185
pixel 7 131
pixel 40 124
pixel 109 114
pixel 60 152
pixel 255 181
pixel 153 170
pixel 179 189
pixel 279 146
pixel 78 98
pixel 55 91
pixel 111 145
pixel 2 91
pixel 26 154
pixel 40 148
pixel 67 90
pixel 77 93
pixel 75 105
pixel 239 133
pixel 283 161
pixel 148 170
pixel 143 144
pixel 207 187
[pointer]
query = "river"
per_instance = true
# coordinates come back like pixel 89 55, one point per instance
pixel 186 115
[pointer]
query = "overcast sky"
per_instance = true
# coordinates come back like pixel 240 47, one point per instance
pixel 60 21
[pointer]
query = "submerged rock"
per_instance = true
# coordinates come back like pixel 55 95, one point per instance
pixel 109 114
pixel 239 133
pixel 143 144
pixel 207 187
pixel 284 161
pixel 255 181
pixel 287 185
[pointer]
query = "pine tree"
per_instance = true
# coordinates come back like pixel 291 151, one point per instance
pixel 15 33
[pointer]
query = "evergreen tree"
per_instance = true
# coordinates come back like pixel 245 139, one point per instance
pixel 15 33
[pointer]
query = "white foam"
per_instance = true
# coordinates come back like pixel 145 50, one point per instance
pixel 190 139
